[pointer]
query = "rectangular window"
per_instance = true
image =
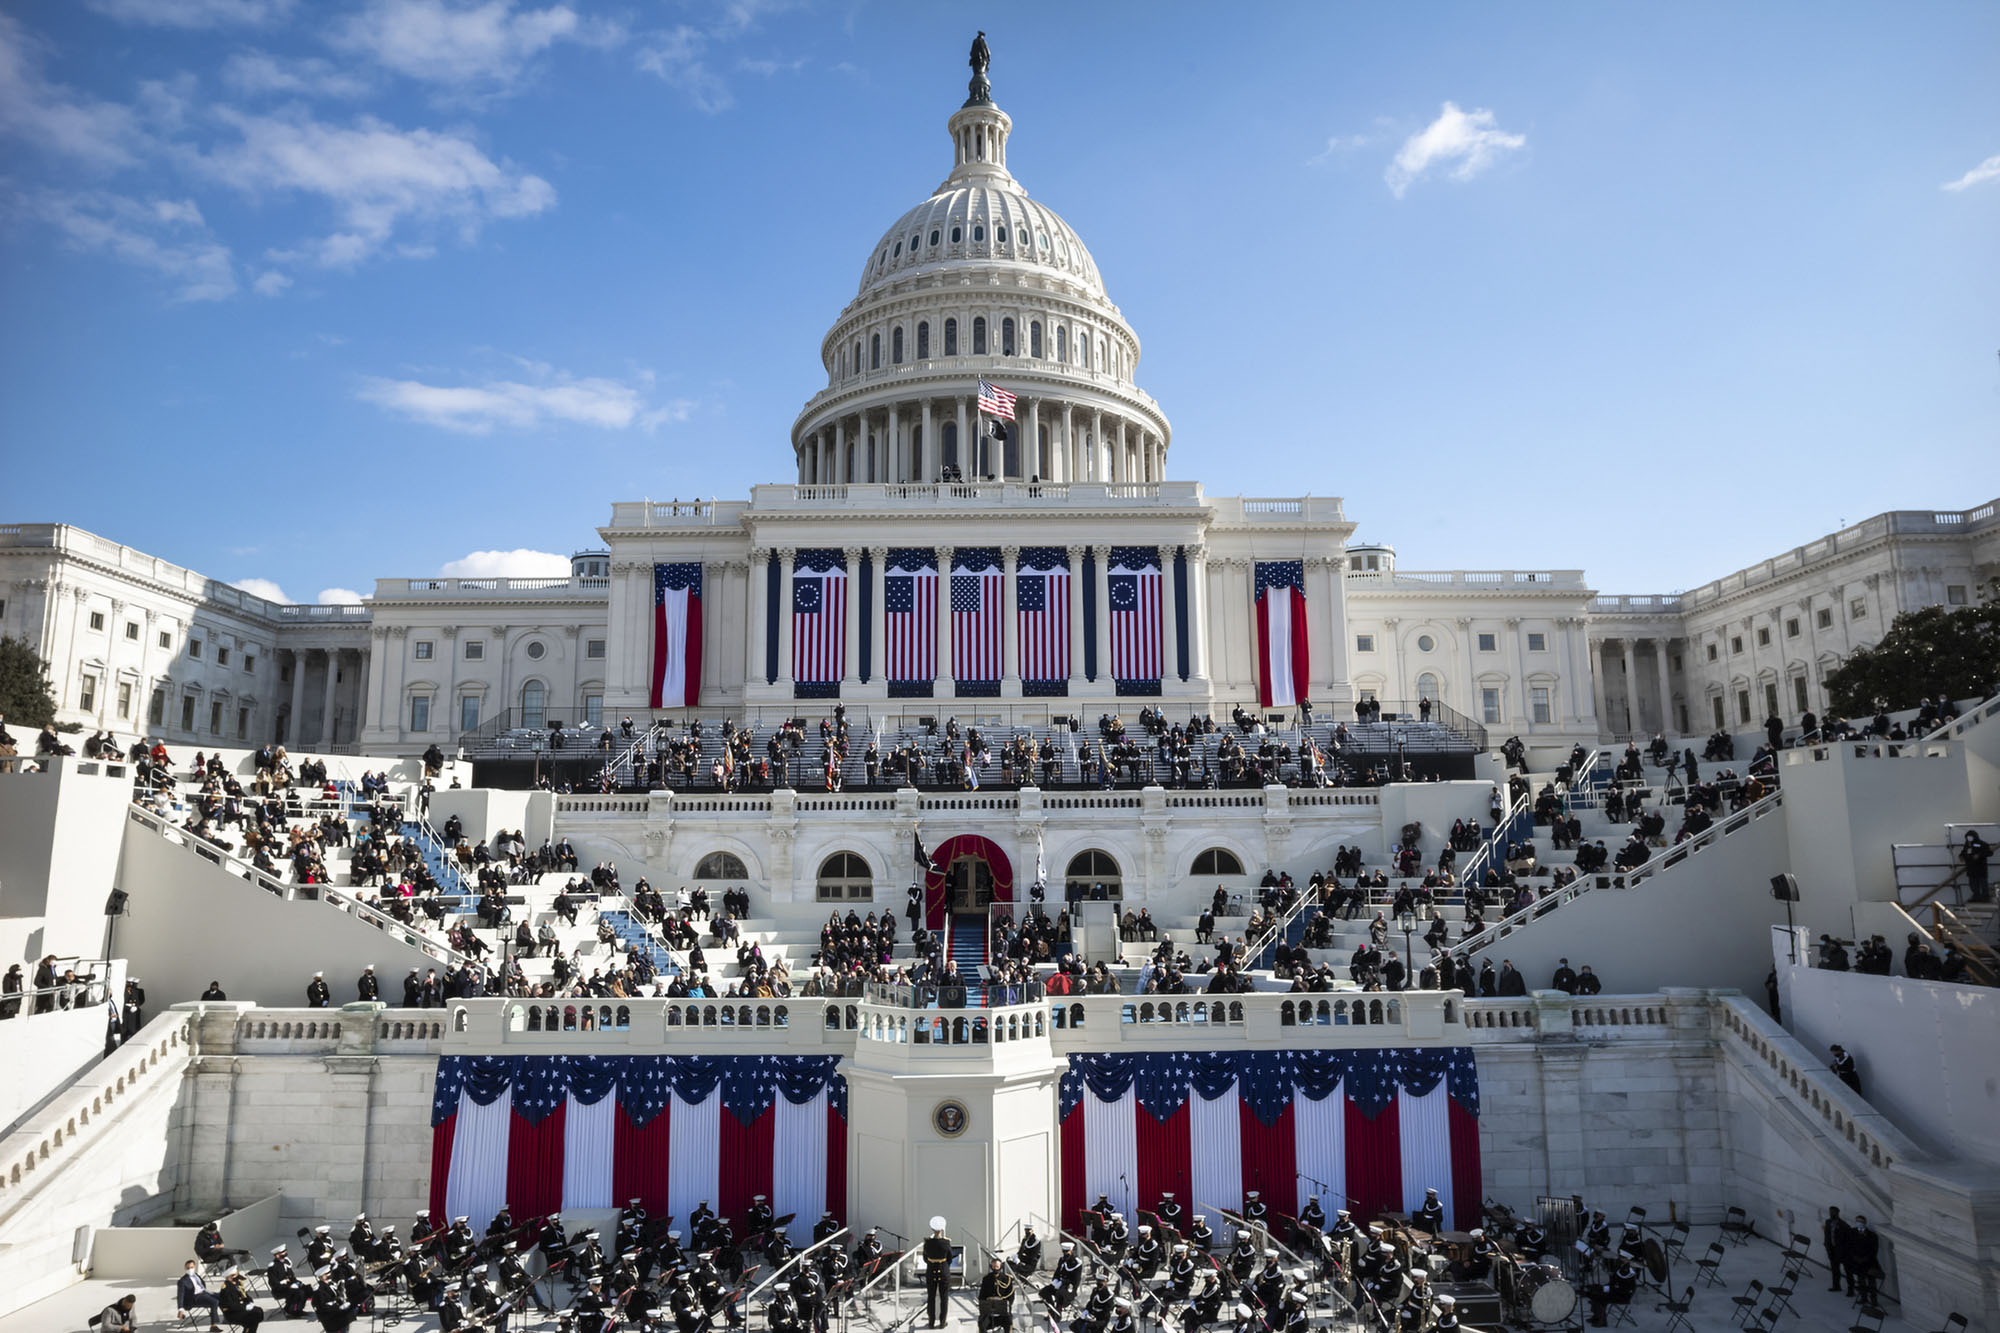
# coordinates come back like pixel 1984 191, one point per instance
pixel 1857 609
pixel 215 718
pixel 124 698
pixel 1538 643
pixel 87 699
pixel 1954 594
pixel 131 629
pixel 97 620
pixel 1763 637
pixel 1715 705
pixel 242 724
pixel 1743 705
pixel 1770 699
pixel 424 647
pixel 156 712
pixel 1792 628
pixel 222 657
pixel 593 648
pixel 249 662
pixel 1677 667
pixel 1538 703
pixel 166 638
pixel 3 608
pixel 468 713
pixel 1823 618
pixel 194 647
pixel 1364 643
pixel 1799 693
pixel 1489 705
pixel 1711 652
pixel 593 710
pixel 1486 643
pixel 1735 644
pixel 475 650
pixel 420 713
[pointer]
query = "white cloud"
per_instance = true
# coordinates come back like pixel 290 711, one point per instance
pixel 57 119
pixel 263 588
pixel 1989 170
pixel 377 178
pixel 194 13
pixel 271 282
pixel 553 396
pixel 163 235
pixel 678 58
pixel 520 563
pixel 487 45
pixel 1338 144
pixel 1467 141
pixel 259 73
pixel 340 597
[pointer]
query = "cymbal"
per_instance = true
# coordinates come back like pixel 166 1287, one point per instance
pixel 1655 1259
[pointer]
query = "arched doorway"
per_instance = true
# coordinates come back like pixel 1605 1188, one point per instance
pixel 967 874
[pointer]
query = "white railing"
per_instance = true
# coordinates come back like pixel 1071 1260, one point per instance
pixel 337 898
pixel 1663 859
pixel 1966 721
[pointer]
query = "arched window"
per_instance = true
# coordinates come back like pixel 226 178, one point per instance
pixel 951 337
pixel 1006 337
pixel 957 232
pixel 721 865
pixel 1035 339
pixel 896 345
pixel 1062 344
pixel 1427 687
pixel 1083 350
pixel 1217 861
pixel 924 341
pixel 950 444
pixel 534 698
pixel 979 232
pixel 1000 234
pixel 934 235
pixel 874 351
pixel 857 356
pixel 979 335
pixel 1091 871
pixel 844 877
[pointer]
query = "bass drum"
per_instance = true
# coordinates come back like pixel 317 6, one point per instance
pixel 1553 1301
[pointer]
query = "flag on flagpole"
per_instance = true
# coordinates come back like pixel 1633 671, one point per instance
pixel 676 635
pixel 1283 673
pixel 996 401
pixel 923 857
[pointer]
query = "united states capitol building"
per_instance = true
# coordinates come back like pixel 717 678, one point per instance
pixel 981 525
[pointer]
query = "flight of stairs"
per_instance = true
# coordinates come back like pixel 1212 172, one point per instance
pixel 965 945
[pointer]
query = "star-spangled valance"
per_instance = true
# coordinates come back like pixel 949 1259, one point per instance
pixel 1269 1079
pixel 818 560
pixel 910 559
pixel 1135 557
pixel 1042 558
pixel 642 1083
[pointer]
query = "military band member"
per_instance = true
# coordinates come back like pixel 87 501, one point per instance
pixel 237 1307
pixel 1028 1258
pixel 759 1217
pixel 1169 1212
pixel 1312 1215
pixel 1147 1255
pixel 1254 1208
pixel 1447 1315
pixel 330 1304
pixel 868 1253
pixel 1618 1290
pixel 1430 1216
pixel 996 1297
pixel 1200 1234
pixel 1242 1259
pixel 827 1225
pixel 1064 1280
pixel 1181 1271
pixel 937 1273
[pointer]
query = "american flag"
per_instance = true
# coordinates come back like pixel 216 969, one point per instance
pixel 1041 596
pixel 909 619
pixel 977 584
pixel 995 401
pixel 1134 588
pixel 819 616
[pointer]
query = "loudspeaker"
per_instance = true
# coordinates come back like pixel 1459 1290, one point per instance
pixel 115 904
pixel 1785 888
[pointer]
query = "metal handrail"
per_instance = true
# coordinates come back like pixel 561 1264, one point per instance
pixel 1980 958
pixel 1310 898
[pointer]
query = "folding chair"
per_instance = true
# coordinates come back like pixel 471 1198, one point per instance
pixel 1736 1225
pixel 1676 1242
pixel 1767 1322
pixel 1710 1264
pixel 1746 1304
pixel 1954 1323
pixel 1788 1282
pixel 1680 1310
pixel 1636 1217
pixel 1800 1248
pixel 1620 1314
pixel 1867 1313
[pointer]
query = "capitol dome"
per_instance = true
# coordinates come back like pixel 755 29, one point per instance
pixel 980 282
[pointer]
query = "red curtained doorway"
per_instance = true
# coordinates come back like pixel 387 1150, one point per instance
pixel 937 879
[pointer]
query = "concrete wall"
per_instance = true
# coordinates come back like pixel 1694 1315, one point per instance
pixel 486 811
pixel 156 1253
pixel 1928 1053
pixel 43 1052
pixel 192 922
pixel 58 857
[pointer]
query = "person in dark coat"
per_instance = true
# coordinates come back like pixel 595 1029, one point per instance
pixel 1511 981
pixel 317 995
pixel 1833 1234
pixel 1864 1250
pixel 1843 1068
pixel 1564 980
pixel 366 987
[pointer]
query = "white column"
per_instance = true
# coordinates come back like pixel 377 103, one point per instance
pixel 1595 653
pixel 1631 691
pixel 1666 685
pixel 945 678
pixel 878 570
pixel 930 447
pixel 294 736
pixel 1010 626
pixel 1170 621
pixel 1099 470
pixel 1198 614
pixel 1103 554
pixel 1075 614
pixel 964 446
pixel 850 671
pixel 889 461
pixel 326 716
pixel 785 620
pixel 754 641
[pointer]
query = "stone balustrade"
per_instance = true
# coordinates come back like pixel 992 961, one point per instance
pixel 908 802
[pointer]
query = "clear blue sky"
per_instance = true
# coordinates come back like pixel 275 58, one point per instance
pixel 314 293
